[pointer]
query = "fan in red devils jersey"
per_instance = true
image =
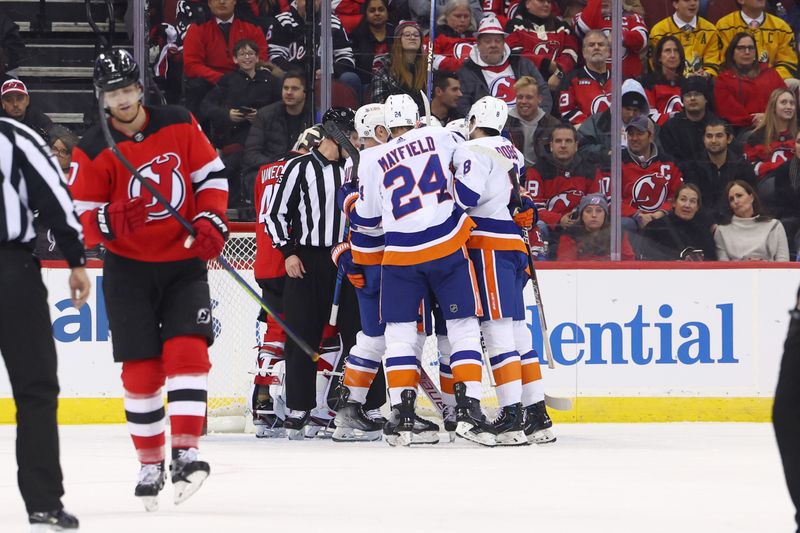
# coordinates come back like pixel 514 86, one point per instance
pixel 156 289
pixel 587 90
pixel 536 33
pixel 270 274
pixel 649 179
pixel 771 143
pixel 561 178
pixel 597 16
pixel 455 36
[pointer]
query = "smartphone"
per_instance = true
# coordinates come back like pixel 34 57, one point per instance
pixel 245 110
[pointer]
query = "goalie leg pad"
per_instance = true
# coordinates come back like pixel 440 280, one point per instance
pixel 401 362
pixel 466 359
pixel 362 365
pixel 504 359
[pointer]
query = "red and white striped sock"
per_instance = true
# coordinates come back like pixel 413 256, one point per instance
pixel 146 421
pixel 186 406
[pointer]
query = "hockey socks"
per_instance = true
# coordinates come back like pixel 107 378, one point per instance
pixel 532 385
pixel 145 416
pixel 466 361
pixel 362 366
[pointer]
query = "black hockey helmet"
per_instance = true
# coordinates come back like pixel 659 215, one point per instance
pixel 115 69
pixel 344 117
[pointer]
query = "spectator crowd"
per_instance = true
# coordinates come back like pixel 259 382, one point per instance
pixel 708 105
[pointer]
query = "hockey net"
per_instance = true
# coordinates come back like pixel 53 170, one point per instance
pixel 237 333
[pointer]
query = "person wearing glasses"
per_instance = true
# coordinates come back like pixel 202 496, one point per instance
pixel 744 84
pixel 404 70
pixel 62 141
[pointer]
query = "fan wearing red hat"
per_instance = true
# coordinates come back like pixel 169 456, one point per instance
pixel 16 102
pixel 491 70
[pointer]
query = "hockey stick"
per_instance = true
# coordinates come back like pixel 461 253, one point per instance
pixel 427 103
pixel 429 388
pixel 431 38
pixel 342 140
pixel 190 229
pixel 508 166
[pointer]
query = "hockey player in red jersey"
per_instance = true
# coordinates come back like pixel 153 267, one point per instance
pixel 270 274
pixel 156 288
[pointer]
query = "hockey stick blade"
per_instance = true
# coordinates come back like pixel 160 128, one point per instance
pixel 188 227
pixel 427 104
pixel 332 129
pixel 559 404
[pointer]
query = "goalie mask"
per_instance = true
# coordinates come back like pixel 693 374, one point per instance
pixel 488 112
pixel 369 117
pixel 400 110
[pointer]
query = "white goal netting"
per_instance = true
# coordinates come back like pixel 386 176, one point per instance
pixel 237 333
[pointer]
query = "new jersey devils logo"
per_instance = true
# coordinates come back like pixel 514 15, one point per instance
pixel 674 104
pixel 600 103
pixel 164 172
pixel 650 191
pixel 503 88
pixel 564 201
pixel 462 50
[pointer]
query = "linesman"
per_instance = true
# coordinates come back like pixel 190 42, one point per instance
pixel 31 182
pixel 304 223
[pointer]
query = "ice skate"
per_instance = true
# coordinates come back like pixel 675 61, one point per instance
pixel 425 431
pixel 449 418
pixel 353 424
pixel 60 520
pixel 266 422
pixel 295 424
pixel 188 474
pixel 538 424
pixel 509 426
pixel 151 480
pixel 377 416
pixel 319 426
pixel 399 427
pixel 471 422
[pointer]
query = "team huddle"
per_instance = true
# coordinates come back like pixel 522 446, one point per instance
pixel 434 246
pixel 419 233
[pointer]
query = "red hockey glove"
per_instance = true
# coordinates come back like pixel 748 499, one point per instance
pixel 210 234
pixel 343 258
pixel 121 218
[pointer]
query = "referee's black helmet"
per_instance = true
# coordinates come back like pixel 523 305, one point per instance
pixel 115 69
pixel 344 117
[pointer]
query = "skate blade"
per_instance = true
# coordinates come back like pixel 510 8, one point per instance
pixel 185 489
pixel 543 436
pixel 391 440
pixel 150 503
pixel 355 435
pixel 45 528
pixel 512 438
pixel 295 434
pixel 279 433
pixel 452 435
pixel 318 432
pixel 424 438
pixel 465 430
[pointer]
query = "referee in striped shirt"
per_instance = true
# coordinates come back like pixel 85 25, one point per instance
pixel 31 182
pixel 304 222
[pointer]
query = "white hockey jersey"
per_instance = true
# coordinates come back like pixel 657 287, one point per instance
pixel 407 185
pixel 366 244
pixel 484 189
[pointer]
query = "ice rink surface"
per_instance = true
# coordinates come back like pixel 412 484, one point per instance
pixel 683 478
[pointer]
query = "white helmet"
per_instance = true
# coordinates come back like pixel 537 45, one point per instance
pixel 368 117
pixel 400 110
pixel 459 126
pixel 488 112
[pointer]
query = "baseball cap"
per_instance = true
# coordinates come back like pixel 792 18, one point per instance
pixel 13 86
pixel 641 123
pixel 490 25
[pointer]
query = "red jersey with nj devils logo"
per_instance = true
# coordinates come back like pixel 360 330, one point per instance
pixel 450 49
pixel 648 186
pixel 174 154
pixel 269 261
pixel 558 188
pixel 584 93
